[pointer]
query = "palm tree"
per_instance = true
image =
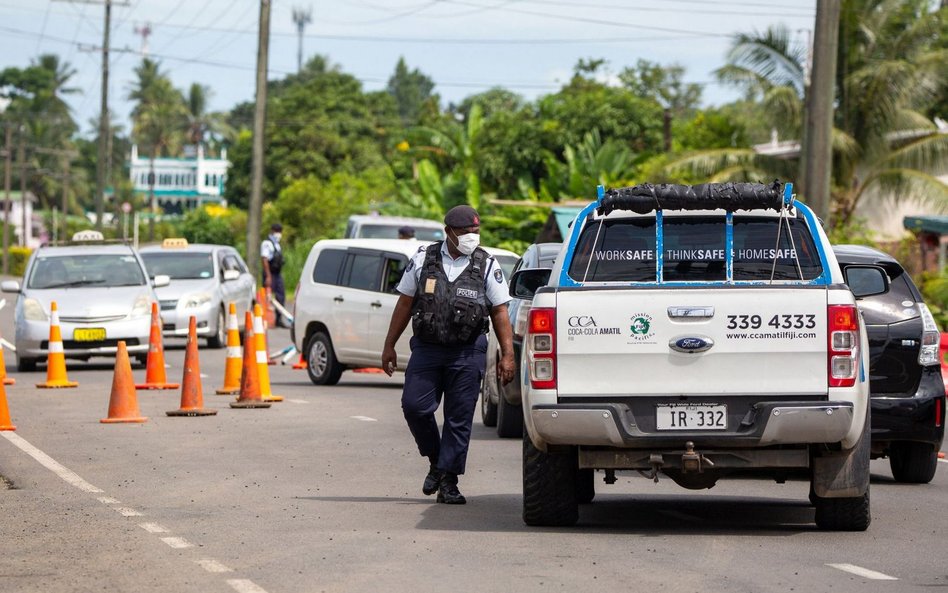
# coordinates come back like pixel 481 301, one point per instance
pixel 204 127
pixel 456 144
pixel 891 67
pixel 591 163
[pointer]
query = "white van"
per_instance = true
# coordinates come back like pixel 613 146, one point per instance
pixel 344 303
pixel 373 226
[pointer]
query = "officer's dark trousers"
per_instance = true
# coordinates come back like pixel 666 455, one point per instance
pixel 279 293
pixel 453 372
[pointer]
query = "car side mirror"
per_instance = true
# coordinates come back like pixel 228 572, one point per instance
pixel 161 280
pixel 866 281
pixel 231 275
pixel 525 283
pixel 11 286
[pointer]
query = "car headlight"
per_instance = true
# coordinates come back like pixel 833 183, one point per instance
pixel 141 307
pixel 193 301
pixel 33 310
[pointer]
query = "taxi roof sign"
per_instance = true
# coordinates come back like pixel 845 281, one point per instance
pixel 175 243
pixel 88 236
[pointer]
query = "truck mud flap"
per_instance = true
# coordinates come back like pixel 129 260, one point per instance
pixel 844 474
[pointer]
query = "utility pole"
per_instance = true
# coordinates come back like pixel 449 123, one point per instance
pixel 818 142
pixel 7 179
pixel 302 18
pixel 259 124
pixel 24 220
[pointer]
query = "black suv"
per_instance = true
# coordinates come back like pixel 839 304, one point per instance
pixel 905 381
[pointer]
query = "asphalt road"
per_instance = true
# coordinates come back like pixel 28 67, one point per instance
pixel 322 492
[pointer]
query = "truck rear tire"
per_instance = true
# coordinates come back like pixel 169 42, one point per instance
pixel 585 486
pixel 509 419
pixel 913 463
pixel 842 514
pixel 549 486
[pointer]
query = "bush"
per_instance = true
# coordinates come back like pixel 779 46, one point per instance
pixel 934 289
pixel 216 225
pixel 18 257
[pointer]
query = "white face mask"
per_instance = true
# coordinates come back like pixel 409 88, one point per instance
pixel 278 236
pixel 468 243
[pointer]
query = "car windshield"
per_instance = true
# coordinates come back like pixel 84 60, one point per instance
pixel 390 231
pixel 180 266
pixel 100 269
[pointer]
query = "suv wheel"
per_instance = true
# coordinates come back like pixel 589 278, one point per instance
pixel 25 365
pixel 321 364
pixel 549 486
pixel 488 408
pixel 913 463
pixel 219 339
pixel 509 419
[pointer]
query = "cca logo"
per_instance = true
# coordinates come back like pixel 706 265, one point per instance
pixel 581 321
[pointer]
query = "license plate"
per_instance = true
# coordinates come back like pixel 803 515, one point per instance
pixel 691 417
pixel 90 334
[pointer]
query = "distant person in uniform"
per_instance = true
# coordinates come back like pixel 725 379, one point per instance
pixel 448 291
pixel 406 232
pixel 271 254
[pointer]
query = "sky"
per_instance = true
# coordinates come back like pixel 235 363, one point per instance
pixel 465 46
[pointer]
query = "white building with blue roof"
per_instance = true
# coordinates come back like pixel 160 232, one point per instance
pixel 181 184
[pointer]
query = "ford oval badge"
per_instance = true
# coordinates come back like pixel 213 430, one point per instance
pixel 690 344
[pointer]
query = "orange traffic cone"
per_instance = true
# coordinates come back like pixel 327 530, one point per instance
pixel 4 379
pixel 301 363
pixel 56 360
pixel 263 369
pixel 123 405
pixel 263 299
pixel 5 423
pixel 155 377
pixel 232 366
pixel 192 394
pixel 249 381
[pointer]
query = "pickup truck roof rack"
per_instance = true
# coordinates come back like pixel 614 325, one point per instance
pixel 647 197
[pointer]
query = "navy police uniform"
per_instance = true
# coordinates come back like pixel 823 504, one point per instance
pixel 450 314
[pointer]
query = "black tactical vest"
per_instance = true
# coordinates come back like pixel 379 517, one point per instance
pixel 276 262
pixel 450 313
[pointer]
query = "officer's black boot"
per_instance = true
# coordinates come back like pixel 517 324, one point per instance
pixel 432 480
pixel 448 492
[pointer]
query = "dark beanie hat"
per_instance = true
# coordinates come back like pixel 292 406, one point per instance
pixel 461 217
pixel 276 227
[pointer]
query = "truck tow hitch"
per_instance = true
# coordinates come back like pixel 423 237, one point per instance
pixel 691 461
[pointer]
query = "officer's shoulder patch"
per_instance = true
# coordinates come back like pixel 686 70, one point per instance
pixel 498 275
pixel 421 249
pixel 410 266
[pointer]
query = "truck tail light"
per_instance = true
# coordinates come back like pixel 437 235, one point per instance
pixel 540 344
pixel 843 351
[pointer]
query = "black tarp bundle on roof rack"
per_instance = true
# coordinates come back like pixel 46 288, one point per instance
pixel 645 198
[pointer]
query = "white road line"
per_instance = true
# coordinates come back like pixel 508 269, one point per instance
pixel 49 463
pixel 211 565
pixel 127 512
pixel 943 460
pixel 862 572
pixel 363 418
pixel 297 401
pixel 177 543
pixel 245 586
pixel 108 500
pixel 153 528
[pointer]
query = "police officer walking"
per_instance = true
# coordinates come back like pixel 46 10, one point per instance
pixel 448 291
pixel 271 254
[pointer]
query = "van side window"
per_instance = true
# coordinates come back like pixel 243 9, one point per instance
pixel 394 268
pixel 328 265
pixel 362 271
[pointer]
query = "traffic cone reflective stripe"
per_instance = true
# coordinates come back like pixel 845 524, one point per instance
pixel 123 403
pixel 263 367
pixel 155 377
pixel 5 422
pixel 4 379
pixel 56 359
pixel 192 392
pixel 249 380
pixel 234 362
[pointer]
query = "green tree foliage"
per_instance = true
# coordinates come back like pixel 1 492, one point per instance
pixel 592 162
pixel 214 225
pixel 664 85
pixel 205 128
pixel 410 89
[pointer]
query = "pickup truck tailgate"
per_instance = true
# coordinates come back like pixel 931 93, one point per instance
pixel 729 340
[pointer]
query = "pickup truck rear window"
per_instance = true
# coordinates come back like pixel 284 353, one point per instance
pixel 693 250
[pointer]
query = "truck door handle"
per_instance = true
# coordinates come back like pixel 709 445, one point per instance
pixel 691 312
pixel 338 299
pixel 376 304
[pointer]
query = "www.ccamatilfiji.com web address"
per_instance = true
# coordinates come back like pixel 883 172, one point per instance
pixel 788 335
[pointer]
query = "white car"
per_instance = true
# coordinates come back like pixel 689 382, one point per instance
pixel 344 303
pixel 374 226
pixel 205 279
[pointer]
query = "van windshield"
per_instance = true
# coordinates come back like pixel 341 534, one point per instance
pixel 390 231
pixel 693 250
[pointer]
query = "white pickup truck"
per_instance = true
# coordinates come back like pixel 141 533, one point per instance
pixel 697 333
